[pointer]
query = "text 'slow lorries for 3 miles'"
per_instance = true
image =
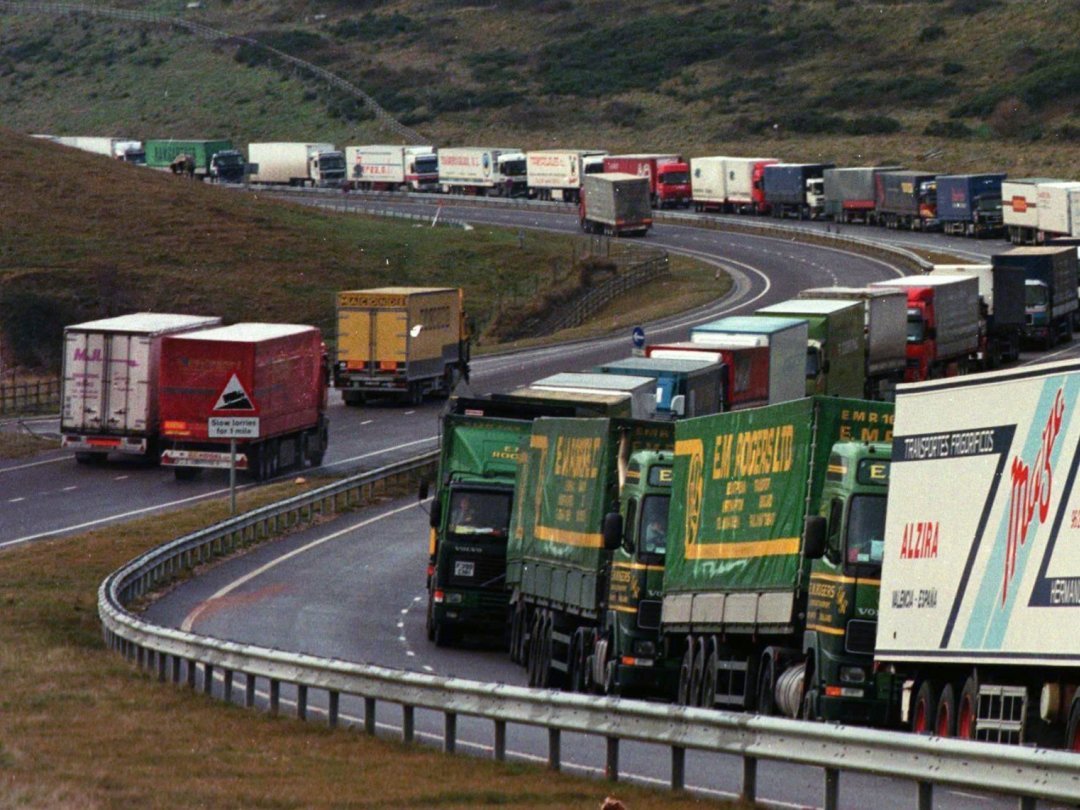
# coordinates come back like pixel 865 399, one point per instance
pixel 260 384
pixel 555 174
pixel 615 204
pixel 296 164
pixel 109 398
pixel 1002 301
pixel 392 168
pixel 1050 290
pixel 406 342
pixel 684 387
pixel 796 189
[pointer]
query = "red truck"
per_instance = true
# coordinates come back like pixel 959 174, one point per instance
pixel 263 384
pixel 944 324
pixel 669 176
pixel 745 381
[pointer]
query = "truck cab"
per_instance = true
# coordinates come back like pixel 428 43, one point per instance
pixel 673 185
pixel 227 166
pixel 327 168
pixel 512 167
pixel 845 545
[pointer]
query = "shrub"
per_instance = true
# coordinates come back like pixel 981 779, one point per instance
pixel 931 33
pixel 374 26
pixel 948 129
pixel 872 125
pixel 1012 118
pixel 622 113
pixel 951 68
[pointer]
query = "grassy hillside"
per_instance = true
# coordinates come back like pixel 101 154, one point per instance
pixel 946 84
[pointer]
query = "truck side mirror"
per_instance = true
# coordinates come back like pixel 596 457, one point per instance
pixel 436 513
pixel 612 531
pixel 678 405
pixel 814 533
pixel 423 490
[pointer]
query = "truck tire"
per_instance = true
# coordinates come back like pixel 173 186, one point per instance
pixel 708 680
pixel 575 663
pixel 685 670
pixel 944 721
pixel 1072 730
pixel 766 692
pixel 967 709
pixel 924 710
pixel 534 652
pixel 443 636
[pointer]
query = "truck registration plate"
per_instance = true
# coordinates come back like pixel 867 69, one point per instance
pixel 464 569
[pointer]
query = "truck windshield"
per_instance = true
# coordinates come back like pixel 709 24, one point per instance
pixel 427 164
pixel 228 161
pixel 916 326
pixel 1035 295
pixel 513 168
pixel 675 178
pixel 653 526
pixel 331 163
pixel 474 512
pixel 866 529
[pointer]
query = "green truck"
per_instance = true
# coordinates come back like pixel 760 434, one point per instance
pixel 836 348
pixel 586 552
pixel 773 561
pixel 164 152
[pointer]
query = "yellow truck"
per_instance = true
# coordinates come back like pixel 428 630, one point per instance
pixel 404 342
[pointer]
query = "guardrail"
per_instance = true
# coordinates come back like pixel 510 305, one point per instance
pixel 29 397
pixel 1029 774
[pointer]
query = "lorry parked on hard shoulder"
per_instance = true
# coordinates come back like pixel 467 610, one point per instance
pixel 404 342
pixel 197 155
pixel 744 362
pixel 943 324
pixel 585 592
pixel 970 204
pixel 127 150
pixel 979 594
pixel 906 200
pixel 615 204
pixel 1002 306
pixel 297 164
pixel 836 343
pixel 851 193
pixel 640 389
pixel 392 168
pixel 109 392
pixel 1020 208
pixel 483 171
pixel 555 174
pixel 885 325
pixel 786 340
pixel 770 592
pixel 684 388
pixel 795 189
pixel 668 176
pixel 1050 291
pixel 262 383
pixel 729 184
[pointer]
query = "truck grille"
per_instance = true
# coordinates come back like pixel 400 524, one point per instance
pixel 648 614
pixel 471 571
pixel 860 636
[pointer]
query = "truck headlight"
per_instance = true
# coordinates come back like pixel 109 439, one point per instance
pixel 852 674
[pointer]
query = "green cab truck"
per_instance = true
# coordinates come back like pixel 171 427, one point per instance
pixel 162 153
pixel 773 560
pixel 585 554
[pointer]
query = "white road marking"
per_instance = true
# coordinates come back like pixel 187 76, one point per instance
pixel 367 421
pixel 384 451
pixel 69 489
pixel 122 478
pixel 35 464
pixel 16 500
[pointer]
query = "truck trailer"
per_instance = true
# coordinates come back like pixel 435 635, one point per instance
pixel 684 387
pixel 640 389
pixel 906 200
pixel 970 204
pixel 555 174
pixel 785 338
pixel 851 193
pixel 795 189
pixel 128 150
pixel 484 171
pixel 1020 208
pixel 168 153
pixel 1002 304
pixel 262 385
pixel 405 342
pixel 1050 290
pixel 1058 210
pixel 109 393
pixel 615 204
pixel 297 164
pixel 668 176
pixel 729 184
pixel 744 365
pixel 392 168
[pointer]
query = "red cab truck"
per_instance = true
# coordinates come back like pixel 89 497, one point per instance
pixel 669 176
pixel 261 383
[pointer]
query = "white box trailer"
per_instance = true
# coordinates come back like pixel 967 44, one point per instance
pixel 707 186
pixel 491 171
pixel 126 149
pixel 109 382
pixel 386 168
pixel 555 174
pixel 785 338
pixel 744 178
pixel 1020 208
pixel 980 579
pixel 1057 209
pixel 296 164
pixel 641 390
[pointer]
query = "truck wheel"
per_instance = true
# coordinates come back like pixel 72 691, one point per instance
pixel 925 709
pixel 944 720
pixel 967 721
pixel 685 670
pixel 515 635
pixel 708 681
pixel 534 651
pixel 443 636
pixel 1072 732
pixel 697 674
pixel 575 682
pixel 766 692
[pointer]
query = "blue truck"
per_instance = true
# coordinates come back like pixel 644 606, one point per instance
pixel 795 189
pixel 970 204
pixel 684 388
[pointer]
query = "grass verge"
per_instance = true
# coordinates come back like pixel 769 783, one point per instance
pixel 22 445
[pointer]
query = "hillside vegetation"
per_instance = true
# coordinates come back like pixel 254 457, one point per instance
pixel 946 84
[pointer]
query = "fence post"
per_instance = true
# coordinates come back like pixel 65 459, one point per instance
pixel 450 733
pixel 749 779
pixel 554 748
pixel 678 767
pixel 611 771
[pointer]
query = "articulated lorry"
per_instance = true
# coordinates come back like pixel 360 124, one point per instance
pixel 786 340
pixel 668 176
pixel 684 387
pixel 770 592
pixel 405 342
pixel 980 579
pixel 906 200
pixel 851 193
pixel 297 164
pixel 836 343
pixel 109 393
pixel 1050 290
pixel 484 171
pixel 260 384
pixel 795 189
pixel 970 204
pixel 167 153
pixel 127 150
pixel 744 372
pixel 584 591
pixel 885 325
pixel 615 204
pixel 555 174
pixel 729 184
pixel 1002 305
pixel 392 168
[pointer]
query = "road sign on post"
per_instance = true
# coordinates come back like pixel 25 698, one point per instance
pixel 225 424
pixel 637 337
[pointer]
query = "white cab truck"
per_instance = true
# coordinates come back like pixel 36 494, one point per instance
pixel 392 168
pixel 128 150
pixel 555 174
pixel 483 171
pixel 109 397
pixel 734 184
pixel 980 579
pixel 296 164
pixel 1058 209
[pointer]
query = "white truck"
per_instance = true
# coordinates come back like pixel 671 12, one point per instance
pixel 729 183
pixel 980 578
pixel 392 168
pixel 1058 209
pixel 641 390
pixel 484 171
pixel 296 164
pixel 555 174
pixel 109 395
pixel 785 338
pixel 128 150
pixel 1039 208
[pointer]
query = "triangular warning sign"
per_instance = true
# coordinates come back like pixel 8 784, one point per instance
pixel 233 397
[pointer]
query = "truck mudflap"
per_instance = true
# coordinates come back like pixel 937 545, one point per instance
pixel 207 459
pixel 104 444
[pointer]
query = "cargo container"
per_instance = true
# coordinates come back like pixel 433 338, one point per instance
pixel 851 193
pixel 1001 300
pixel 392 168
pixel 906 199
pixel 795 189
pixel 109 397
pixel 770 586
pixel 1058 210
pixel 943 324
pixel 1020 208
pixel 171 154
pixel 128 150
pixel 885 325
pixel 729 184
pixel 585 592
pixel 979 581
pixel 970 204
pixel 486 171
pixel 668 176
pixel 744 363
pixel 297 164
pixel 555 174
pixel 836 343
pixel 785 338
pixel 684 387
pixel 405 342
pixel 1050 290
pixel 615 204
pixel 264 384
pixel 641 390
